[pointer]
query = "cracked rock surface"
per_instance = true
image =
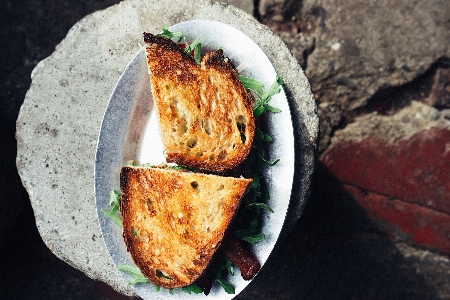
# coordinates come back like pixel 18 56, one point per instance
pixel 379 72
pixel 361 47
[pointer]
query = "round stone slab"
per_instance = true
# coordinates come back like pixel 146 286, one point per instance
pixel 60 119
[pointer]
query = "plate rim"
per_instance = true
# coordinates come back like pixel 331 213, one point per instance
pixel 130 64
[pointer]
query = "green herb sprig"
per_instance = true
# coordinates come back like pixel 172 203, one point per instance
pixel 259 149
pixel 114 199
pixel 262 97
pixel 193 288
pixel 253 85
pixel 170 34
pixel 195 47
pixel 246 227
pixel 137 277
pixel 227 266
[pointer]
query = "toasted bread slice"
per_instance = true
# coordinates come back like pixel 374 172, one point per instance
pixel 205 114
pixel 173 221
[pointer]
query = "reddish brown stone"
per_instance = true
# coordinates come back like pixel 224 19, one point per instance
pixel 423 226
pixel 416 170
pixel 440 90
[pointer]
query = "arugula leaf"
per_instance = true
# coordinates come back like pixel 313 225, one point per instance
pixel 258 110
pixel 198 53
pixel 225 265
pixel 136 275
pixel 246 223
pixel 229 288
pixel 272 109
pixel 252 84
pixel 264 190
pixel 114 202
pixel 132 270
pixel 259 148
pixel 162 275
pixel 114 198
pixel 112 216
pixel 273 163
pixel 136 280
pixel 196 46
pixel 261 104
pixel 229 266
pixel 253 224
pixel 255 185
pixel 261 205
pixel 253 239
pixel 261 136
pixel 193 288
pixel 169 34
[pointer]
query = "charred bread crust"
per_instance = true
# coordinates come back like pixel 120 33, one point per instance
pixel 205 114
pixel 174 222
pixel 173 63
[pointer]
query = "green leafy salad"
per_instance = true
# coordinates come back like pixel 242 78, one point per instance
pixel 246 225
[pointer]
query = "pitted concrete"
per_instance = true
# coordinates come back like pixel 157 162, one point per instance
pixel 59 122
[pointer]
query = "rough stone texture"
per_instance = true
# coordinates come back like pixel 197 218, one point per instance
pixel 414 170
pixel 362 50
pixel 440 90
pixel 337 228
pixel 352 254
pixel 331 116
pixel 403 156
pixel 60 119
pixel 245 5
pixel 362 46
pixel 436 276
pixel 412 223
pixel 300 45
pixel 335 251
pixel 391 128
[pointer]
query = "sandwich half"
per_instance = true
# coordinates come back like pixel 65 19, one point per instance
pixel 174 221
pixel 204 112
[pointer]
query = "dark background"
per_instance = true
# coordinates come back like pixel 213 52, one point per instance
pixel 29 32
pixel 334 252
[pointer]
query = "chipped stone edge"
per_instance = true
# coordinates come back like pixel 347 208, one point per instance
pixel 303 108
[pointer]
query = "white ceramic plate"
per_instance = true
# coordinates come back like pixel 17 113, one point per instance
pixel 129 132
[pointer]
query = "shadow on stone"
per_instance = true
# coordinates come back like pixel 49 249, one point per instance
pixel 390 100
pixel 336 252
pixel 31 271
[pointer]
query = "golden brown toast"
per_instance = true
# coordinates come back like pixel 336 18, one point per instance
pixel 173 221
pixel 205 114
